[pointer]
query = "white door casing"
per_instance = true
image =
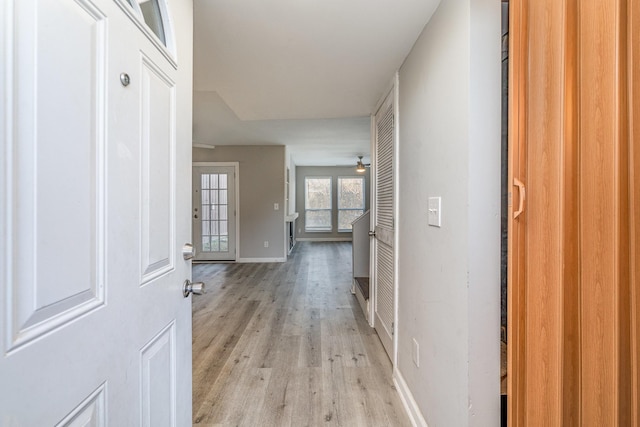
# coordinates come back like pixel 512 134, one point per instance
pixel 95 329
pixel 383 243
pixel 214 212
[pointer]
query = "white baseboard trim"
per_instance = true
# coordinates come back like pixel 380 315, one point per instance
pixel 324 239
pixel 259 260
pixel 410 405
pixel 364 304
pixel 213 261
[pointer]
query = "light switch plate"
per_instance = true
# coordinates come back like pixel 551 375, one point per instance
pixel 276 206
pixel 435 211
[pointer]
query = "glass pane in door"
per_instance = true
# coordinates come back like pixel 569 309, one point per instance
pixel 153 17
pixel 215 218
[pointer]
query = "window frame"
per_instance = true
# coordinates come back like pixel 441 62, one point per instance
pixel 307 209
pixel 364 200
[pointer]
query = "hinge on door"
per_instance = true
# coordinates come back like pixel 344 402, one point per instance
pixel 393 328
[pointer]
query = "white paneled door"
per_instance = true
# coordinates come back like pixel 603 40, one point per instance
pixel 384 225
pixel 214 212
pixel 94 327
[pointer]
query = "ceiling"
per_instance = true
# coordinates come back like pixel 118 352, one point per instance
pixel 301 73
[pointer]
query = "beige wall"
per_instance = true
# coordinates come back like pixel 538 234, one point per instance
pixel 449 277
pixel 325 171
pixel 262 171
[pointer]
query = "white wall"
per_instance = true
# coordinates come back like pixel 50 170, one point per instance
pixel 449 282
pixel 485 135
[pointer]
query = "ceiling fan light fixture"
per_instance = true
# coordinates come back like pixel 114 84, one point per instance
pixel 360 167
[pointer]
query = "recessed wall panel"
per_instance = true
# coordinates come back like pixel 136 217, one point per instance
pixel 158 148
pixel 56 178
pixel 158 395
pixel 90 413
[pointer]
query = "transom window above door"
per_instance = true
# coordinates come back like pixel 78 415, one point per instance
pixel 152 16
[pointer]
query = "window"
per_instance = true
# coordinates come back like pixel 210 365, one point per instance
pixel 154 14
pixel 317 204
pixel 350 201
pixel 153 17
pixel 215 212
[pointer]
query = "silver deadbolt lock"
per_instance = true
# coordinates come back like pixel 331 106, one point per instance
pixel 196 288
pixel 188 251
pixel 124 79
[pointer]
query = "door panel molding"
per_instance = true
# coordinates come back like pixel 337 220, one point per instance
pixel 91 411
pixel 157 171
pixel 158 379
pixel 34 218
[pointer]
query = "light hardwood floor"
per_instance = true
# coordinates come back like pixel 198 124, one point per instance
pixel 287 345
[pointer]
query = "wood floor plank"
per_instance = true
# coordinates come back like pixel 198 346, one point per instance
pixel 340 407
pixel 286 344
pixel 311 346
pixel 216 344
pixel 307 410
pixel 279 400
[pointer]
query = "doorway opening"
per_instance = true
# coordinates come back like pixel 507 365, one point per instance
pixel 504 147
pixel 214 215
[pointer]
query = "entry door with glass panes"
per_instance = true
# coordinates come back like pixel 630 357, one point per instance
pixel 214 212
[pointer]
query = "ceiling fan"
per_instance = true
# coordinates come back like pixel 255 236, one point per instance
pixel 360 167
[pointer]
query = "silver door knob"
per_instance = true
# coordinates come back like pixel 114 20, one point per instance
pixel 196 288
pixel 188 251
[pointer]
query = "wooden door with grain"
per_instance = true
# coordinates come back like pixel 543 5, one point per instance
pixel 574 232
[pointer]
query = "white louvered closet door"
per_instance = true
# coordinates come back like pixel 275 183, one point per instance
pixel 384 224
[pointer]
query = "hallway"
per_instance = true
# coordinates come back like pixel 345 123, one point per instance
pixel 286 344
